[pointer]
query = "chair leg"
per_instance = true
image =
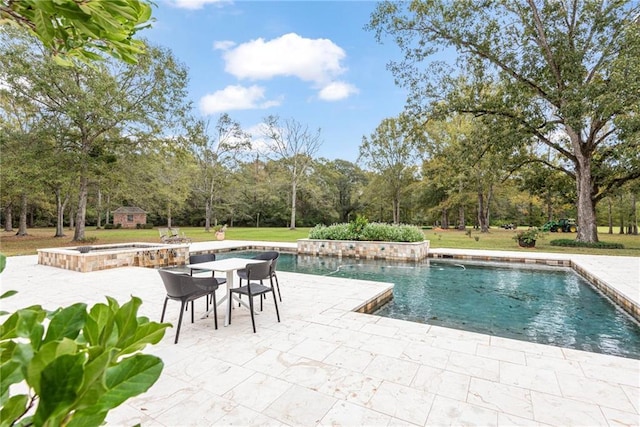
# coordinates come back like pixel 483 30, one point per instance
pixel 253 322
pixel 215 309
pixel 229 308
pixel 192 311
pixel 278 287
pixel 164 308
pixel 276 304
pixel 180 321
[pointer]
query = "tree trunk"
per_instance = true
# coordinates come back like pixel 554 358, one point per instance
pixel 22 227
pixel 79 235
pixel 587 226
pixel 294 185
pixel 634 215
pixel 207 215
pixel 621 204
pixel 461 220
pixel 396 210
pixel 72 218
pixel 482 219
pixel 169 216
pixel 60 206
pixel 445 219
pixel 99 209
pixel 487 214
pixel 107 213
pixel 549 206
pixel 610 216
pixel 8 218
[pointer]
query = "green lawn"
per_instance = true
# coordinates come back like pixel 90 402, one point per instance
pixel 498 239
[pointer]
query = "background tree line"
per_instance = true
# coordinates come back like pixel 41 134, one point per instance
pixel 495 140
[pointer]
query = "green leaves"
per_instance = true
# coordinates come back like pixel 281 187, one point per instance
pixel 73 30
pixel 130 377
pixel 79 370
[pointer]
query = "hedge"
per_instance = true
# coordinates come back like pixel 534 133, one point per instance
pixel 576 244
pixel 374 231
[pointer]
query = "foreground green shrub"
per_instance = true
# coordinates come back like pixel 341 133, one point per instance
pixel 76 364
pixel 575 244
pixel 374 231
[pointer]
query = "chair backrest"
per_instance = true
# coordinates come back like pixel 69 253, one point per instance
pixel 198 258
pixel 258 270
pixel 269 255
pixel 178 285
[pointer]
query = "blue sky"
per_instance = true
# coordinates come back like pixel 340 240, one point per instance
pixel 307 60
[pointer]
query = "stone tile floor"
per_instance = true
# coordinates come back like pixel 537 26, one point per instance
pixel 326 365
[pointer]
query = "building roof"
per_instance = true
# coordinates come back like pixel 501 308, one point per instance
pixel 129 210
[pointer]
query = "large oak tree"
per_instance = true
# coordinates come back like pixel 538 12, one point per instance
pixel 567 73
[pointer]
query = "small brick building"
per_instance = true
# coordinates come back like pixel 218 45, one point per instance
pixel 129 216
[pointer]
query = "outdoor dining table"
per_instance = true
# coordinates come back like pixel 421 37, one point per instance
pixel 228 266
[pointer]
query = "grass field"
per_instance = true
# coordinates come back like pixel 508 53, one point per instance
pixel 497 239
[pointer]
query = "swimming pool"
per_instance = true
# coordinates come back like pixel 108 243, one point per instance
pixel 547 305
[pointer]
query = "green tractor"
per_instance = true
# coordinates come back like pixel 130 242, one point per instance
pixel 566 225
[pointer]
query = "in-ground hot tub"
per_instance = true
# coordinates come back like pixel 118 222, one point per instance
pixel 102 257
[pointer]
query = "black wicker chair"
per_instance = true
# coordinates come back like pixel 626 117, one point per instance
pixel 198 258
pixel 255 275
pixel 267 256
pixel 186 288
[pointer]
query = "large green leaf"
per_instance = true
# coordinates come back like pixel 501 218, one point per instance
pixel 146 333
pixel 13 409
pixel 22 322
pixel 47 355
pixel 121 8
pixel 127 321
pixel 59 384
pixel 94 381
pixel 130 377
pixel 67 323
pixel 3 264
pixel 99 315
pixel 44 26
pixel 87 418
pixel 100 325
pixel 10 368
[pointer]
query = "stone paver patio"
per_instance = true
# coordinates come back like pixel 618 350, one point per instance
pixel 326 365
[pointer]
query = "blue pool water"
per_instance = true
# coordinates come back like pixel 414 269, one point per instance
pixel 544 305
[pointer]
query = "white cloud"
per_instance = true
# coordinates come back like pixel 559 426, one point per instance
pixel 235 97
pixel 259 144
pixel 313 60
pixel 223 45
pixel 194 4
pixel 336 91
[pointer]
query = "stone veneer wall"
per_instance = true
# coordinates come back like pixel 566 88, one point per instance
pixel 372 305
pixel 414 251
pixel 138 257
